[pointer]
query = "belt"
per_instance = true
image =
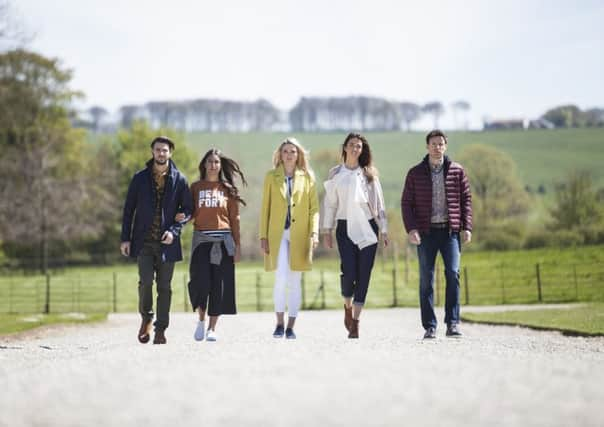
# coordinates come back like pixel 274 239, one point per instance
pixel 439 225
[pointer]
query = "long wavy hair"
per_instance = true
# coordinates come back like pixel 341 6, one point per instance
pixel 228 169
pixel 365 159
pixel 301 162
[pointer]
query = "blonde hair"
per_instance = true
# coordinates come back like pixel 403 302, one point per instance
pixel 301 163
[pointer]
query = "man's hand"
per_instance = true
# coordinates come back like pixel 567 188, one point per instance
pixel 264 246
pixel 328 240
pixel 414 237
pixel 167 238
pixel 466 236
pixel 125 248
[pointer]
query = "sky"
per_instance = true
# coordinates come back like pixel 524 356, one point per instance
pixel 508 59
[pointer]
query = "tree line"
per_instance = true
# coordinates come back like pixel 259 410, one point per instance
pixel 317 114
pixel 310 114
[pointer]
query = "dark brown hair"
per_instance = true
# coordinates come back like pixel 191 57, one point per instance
pixel 163 140
pixel 435 132
pixel 228 168
pixel 365 159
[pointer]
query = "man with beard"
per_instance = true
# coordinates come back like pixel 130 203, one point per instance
pixel 150 234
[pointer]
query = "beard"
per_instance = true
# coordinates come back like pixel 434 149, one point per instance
pixel 160 162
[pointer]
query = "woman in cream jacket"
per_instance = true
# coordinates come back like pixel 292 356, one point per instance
pixel 289 225
pixel 354 206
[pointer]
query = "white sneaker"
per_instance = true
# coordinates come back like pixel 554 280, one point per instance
pixel 211 335
pixel 200 331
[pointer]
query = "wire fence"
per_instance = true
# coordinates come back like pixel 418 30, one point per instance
pixel 392 285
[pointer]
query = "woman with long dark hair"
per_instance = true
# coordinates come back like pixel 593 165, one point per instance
pixel 216 243
pixel 289 226
pixel 354 206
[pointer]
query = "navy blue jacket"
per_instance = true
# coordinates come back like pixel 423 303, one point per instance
pixel 140 206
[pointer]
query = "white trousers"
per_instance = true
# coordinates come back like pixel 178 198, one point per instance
pixel 284 278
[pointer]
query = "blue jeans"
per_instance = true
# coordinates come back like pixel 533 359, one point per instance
pixel 439 239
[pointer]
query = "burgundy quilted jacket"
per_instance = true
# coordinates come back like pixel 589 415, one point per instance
pixel 416 201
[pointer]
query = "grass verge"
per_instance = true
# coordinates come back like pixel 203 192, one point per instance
pixel 584 320
pixel 13 323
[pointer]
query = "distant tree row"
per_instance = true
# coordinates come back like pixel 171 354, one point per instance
pixel 308 115
pixel 571 116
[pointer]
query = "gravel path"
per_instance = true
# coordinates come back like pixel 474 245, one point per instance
pixel 98 375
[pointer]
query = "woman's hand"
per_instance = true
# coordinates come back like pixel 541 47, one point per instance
pixel 328 240
pixel 384 237
pixel 264 246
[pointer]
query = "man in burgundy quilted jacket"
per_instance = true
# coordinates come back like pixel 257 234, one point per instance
pixel 437 211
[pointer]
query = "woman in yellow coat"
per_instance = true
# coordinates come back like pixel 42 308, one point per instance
pixel 289 227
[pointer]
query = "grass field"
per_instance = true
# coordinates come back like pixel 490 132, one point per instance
pixel 583 320
pixel 491 277
pixel 12 323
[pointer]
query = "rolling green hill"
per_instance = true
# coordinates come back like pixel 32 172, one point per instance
pixel 543 157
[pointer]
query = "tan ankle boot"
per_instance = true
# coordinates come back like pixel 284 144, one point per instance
pixel 354 329
pixel 347 317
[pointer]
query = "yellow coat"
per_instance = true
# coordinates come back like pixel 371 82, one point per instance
pixel 304 218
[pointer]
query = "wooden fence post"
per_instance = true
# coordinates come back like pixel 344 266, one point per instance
pixel 465 280
pixel 114 292
pixel 576 283
pixel 539 297
pixel 47 303
pixel 502 285
pixel 407 264
pixel 394 296
pixel 184 292
pixel 303 285
pixel 437 281
pixel 258 293
pixel 322 289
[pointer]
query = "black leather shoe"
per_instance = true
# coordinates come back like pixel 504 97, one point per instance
pixel 160 337
pixel 144 331
pixel 430 334
pixel 453 331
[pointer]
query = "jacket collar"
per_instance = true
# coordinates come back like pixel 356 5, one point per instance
pixel 280 178
pixel 446 163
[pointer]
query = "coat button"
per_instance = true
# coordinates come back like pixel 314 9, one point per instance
pixel 294 204
pixel 293 220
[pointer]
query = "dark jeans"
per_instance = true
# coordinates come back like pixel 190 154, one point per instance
pixel 149 265
pixel 213 282
pixel 439 239
pixel 355 265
